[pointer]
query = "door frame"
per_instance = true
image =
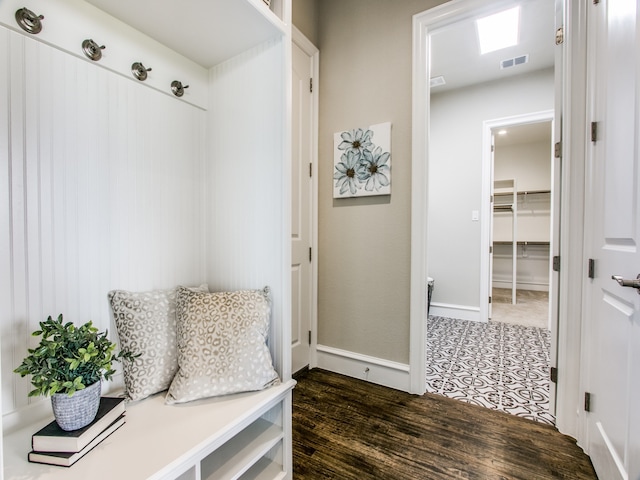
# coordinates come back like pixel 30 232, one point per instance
pixel 569 420
pixel 487 190
pixel 310 49
pixel 486 228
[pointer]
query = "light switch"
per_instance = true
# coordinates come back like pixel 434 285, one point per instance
pixel 475 215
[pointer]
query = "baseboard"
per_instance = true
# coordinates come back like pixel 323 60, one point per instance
pixel 372 369
pixel 37 413
pixel 39 410
pixel 460 312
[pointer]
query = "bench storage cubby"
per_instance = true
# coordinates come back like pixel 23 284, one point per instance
pixel 238 436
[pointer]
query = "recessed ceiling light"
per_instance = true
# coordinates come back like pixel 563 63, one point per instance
pixel 499 30
pixel 502 132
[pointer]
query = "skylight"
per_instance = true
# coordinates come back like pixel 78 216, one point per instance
pixel 498 31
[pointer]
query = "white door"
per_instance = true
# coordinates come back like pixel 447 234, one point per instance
pixel 612 311
pixel 301 210
pixel 556 185
pixel 492 203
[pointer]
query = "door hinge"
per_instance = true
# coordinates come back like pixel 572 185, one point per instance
pixel 310 169
pixel 311 85
pixel 592 268
pixel 587 402
pixel 491 249
pixel 491 198
pixel 309 337
pixel 553 375
pixel 493 148
pixel 560 35
pixel 596 2
pixel 556 263
pixel 557 149
pixel 310 254
pixel 594 132
pixel 489 300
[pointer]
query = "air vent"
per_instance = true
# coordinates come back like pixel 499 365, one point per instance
pixel 513 62
pixel 437 81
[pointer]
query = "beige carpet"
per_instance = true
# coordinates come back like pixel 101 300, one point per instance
pixel 531 309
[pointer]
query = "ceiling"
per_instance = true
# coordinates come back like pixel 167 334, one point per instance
pixel 525 133
pixel 455 52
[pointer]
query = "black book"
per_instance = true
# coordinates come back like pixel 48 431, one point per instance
pixel 66 459
pixel 52 438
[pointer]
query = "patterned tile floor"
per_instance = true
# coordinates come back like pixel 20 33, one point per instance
pixel 496 365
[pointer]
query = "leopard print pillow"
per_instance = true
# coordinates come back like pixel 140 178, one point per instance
pixel 221 344
pixel 146 325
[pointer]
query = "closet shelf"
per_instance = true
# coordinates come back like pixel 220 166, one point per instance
pixel 521 242
pixel 207 33
pixel 523 192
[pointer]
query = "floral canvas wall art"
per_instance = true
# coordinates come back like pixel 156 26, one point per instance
pixel 362 161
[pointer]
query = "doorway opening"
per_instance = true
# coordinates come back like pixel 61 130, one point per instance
pixel 494 364
pixel 520 275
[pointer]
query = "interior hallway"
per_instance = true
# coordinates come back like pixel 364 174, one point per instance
pixel 345 428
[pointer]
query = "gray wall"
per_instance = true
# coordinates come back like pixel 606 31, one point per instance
pixel 453 247
pixel 364 269
pixel 364 244
pixel 305 18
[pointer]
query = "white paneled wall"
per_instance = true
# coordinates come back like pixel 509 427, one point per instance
pixel 248 180
pixel 101 185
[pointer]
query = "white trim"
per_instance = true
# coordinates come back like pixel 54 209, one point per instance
pixel 423 24
pixel 372 369
pixel 37 412
pixel 461 312
pixel 303 42
pixel 310 49
pixel 486 191
pixel 569 419
pixel 419 198
pixel 570 416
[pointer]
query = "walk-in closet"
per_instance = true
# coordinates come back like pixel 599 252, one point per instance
pixel 522 216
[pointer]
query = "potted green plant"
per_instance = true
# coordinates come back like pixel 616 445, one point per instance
pixel 69 364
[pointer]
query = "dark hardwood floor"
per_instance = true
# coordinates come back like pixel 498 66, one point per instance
pixel 345 428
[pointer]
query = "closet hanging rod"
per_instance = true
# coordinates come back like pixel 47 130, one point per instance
pixel 521 242
pixel 522 192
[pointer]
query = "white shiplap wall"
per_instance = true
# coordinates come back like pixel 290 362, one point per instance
pixel 248 183
pixel 101 187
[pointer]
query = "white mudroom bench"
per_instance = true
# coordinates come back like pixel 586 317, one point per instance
pixel 241 436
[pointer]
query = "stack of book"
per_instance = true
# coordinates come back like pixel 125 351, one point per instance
pixel 54 446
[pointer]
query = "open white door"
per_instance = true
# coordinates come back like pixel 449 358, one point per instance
pixel 613 233
pixel 302 208
pixel 556 186
pixel 491 208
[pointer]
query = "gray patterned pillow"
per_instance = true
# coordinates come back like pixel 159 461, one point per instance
pixel 221 344
pixel 146 324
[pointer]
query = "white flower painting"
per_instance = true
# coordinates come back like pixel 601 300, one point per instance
pixel 362 161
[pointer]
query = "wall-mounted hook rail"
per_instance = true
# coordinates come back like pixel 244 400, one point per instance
pixel 29 21
pixel 139 71
pixel 92 50
pixel 177 88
